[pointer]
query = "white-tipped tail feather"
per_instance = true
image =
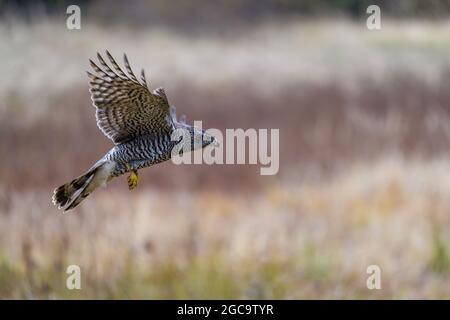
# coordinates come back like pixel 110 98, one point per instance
pixel 69 195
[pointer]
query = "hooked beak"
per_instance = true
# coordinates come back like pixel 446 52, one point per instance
pixel 215 143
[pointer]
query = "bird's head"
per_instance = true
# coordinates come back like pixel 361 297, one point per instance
pixel 200 138
pixel 193 138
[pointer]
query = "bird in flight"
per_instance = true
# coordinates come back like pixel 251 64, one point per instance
pixel 140 122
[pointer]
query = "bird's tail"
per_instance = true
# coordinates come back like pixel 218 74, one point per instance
pixel 69 195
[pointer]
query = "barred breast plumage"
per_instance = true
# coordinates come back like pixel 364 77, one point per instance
pixel 140 153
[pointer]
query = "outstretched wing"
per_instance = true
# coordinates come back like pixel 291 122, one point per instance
pixel 125 107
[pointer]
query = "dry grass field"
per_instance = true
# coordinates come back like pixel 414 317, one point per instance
pixel 364 178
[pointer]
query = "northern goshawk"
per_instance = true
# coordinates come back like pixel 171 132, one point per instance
pixel 138 121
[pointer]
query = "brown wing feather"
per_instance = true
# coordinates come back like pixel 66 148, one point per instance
pixel 126 108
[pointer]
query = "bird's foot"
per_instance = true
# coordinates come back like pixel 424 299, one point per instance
pixel 132 179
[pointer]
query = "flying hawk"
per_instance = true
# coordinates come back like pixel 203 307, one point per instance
pixel 138 121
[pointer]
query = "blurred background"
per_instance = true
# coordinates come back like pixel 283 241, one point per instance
pixel 364 151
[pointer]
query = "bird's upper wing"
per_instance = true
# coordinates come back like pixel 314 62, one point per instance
pixel 125 107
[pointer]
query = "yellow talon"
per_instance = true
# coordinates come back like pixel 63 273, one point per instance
pixel 132 179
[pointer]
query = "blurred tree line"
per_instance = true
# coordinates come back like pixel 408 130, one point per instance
pixel 185 13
